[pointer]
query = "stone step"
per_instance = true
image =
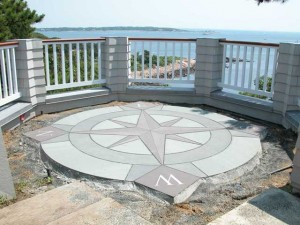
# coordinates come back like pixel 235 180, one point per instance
pixel 106 211
pixel 50 206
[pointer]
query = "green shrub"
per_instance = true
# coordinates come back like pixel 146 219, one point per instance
pixel 260 87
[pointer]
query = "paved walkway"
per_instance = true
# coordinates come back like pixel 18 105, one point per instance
pixel 273 206
pixel 167 148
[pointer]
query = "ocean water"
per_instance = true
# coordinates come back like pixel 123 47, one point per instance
pixel 260 36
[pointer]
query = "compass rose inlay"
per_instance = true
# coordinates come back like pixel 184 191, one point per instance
pixel 167 148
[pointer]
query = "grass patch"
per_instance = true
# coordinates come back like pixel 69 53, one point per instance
pixel 44 181
pixel 3 201
pixel 21 186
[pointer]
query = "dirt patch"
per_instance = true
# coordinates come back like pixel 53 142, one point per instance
pixel 209 201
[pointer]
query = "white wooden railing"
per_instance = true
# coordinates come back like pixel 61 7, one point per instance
pixel 72 63
pixel 249 67
pixel 162 61
pixel 8 73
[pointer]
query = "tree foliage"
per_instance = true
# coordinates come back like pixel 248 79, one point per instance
pixel 16 19
pixel 268 1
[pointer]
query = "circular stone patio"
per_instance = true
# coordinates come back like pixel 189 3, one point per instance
pixel 167 148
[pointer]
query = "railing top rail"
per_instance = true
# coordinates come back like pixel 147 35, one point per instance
pixel 45 41
pixel 250 43
pixel 11 43
pixel 164 39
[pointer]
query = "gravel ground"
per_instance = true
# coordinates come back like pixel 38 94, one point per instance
pixel 211 200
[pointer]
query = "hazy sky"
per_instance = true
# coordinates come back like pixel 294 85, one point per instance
pixel 206 14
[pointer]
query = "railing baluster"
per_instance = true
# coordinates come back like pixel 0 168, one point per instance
pixel 84 58
pixel 274 69
pixel 93 61
pixel 258 69
pixel 237 65
pixel 246 79
pixel 150 60
pixel 0 88
pixel 230 65
pixel 78 61
pixel 189 61
pixel 266 69
pixel 224 62
pixel 251 68
pixel 63 65
pixel 173 61
pixel 47 65
pixel 135 59
pixel 99 62
pixel 8 69
pixel 71 62
pixel 166 60
pixel 157 64
pixel 181 58
pixel 55 64
pixel 3 70
pixel 14 70
pixel 85 61
pixel 143 60
pixel 244 66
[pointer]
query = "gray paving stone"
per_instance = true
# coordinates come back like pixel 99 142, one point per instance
pixel 212 147
pixel 106 140
pixel 62 138
pixel 218 117
pixel 81 141
pixel 173 146
pixel 79 117
pixel 162 119
pixel 137 171
pixel 45 133
pixel 188 168
pixel 195 111
pixel 67 155
pixel 200 137
pixel 67 128
pixel 128 119
pixel 187 123
pixel 240 151
pixel 133 147
pixel 194 116
pixel 141 105
pixel 107 124
pixel 167 180
pixel 89 123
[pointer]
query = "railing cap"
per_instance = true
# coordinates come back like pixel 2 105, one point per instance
pixel 10 43
pixel 73 40
pixel 163 39
pixel 250 43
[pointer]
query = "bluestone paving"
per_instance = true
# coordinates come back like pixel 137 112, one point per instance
pixel 151 143
pixel 137 171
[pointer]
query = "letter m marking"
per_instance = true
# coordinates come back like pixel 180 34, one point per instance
pixel 168 181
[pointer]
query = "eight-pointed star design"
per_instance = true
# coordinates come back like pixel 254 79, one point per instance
pixel 150 132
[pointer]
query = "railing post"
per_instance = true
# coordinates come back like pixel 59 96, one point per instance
pixel 295 176
pixel 209 59
pixel 287 94
pixel 6 181
pixel 287 79
pixel 30 70
pixel 116 63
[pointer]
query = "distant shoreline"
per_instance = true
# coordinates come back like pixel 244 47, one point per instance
pixel 108 28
